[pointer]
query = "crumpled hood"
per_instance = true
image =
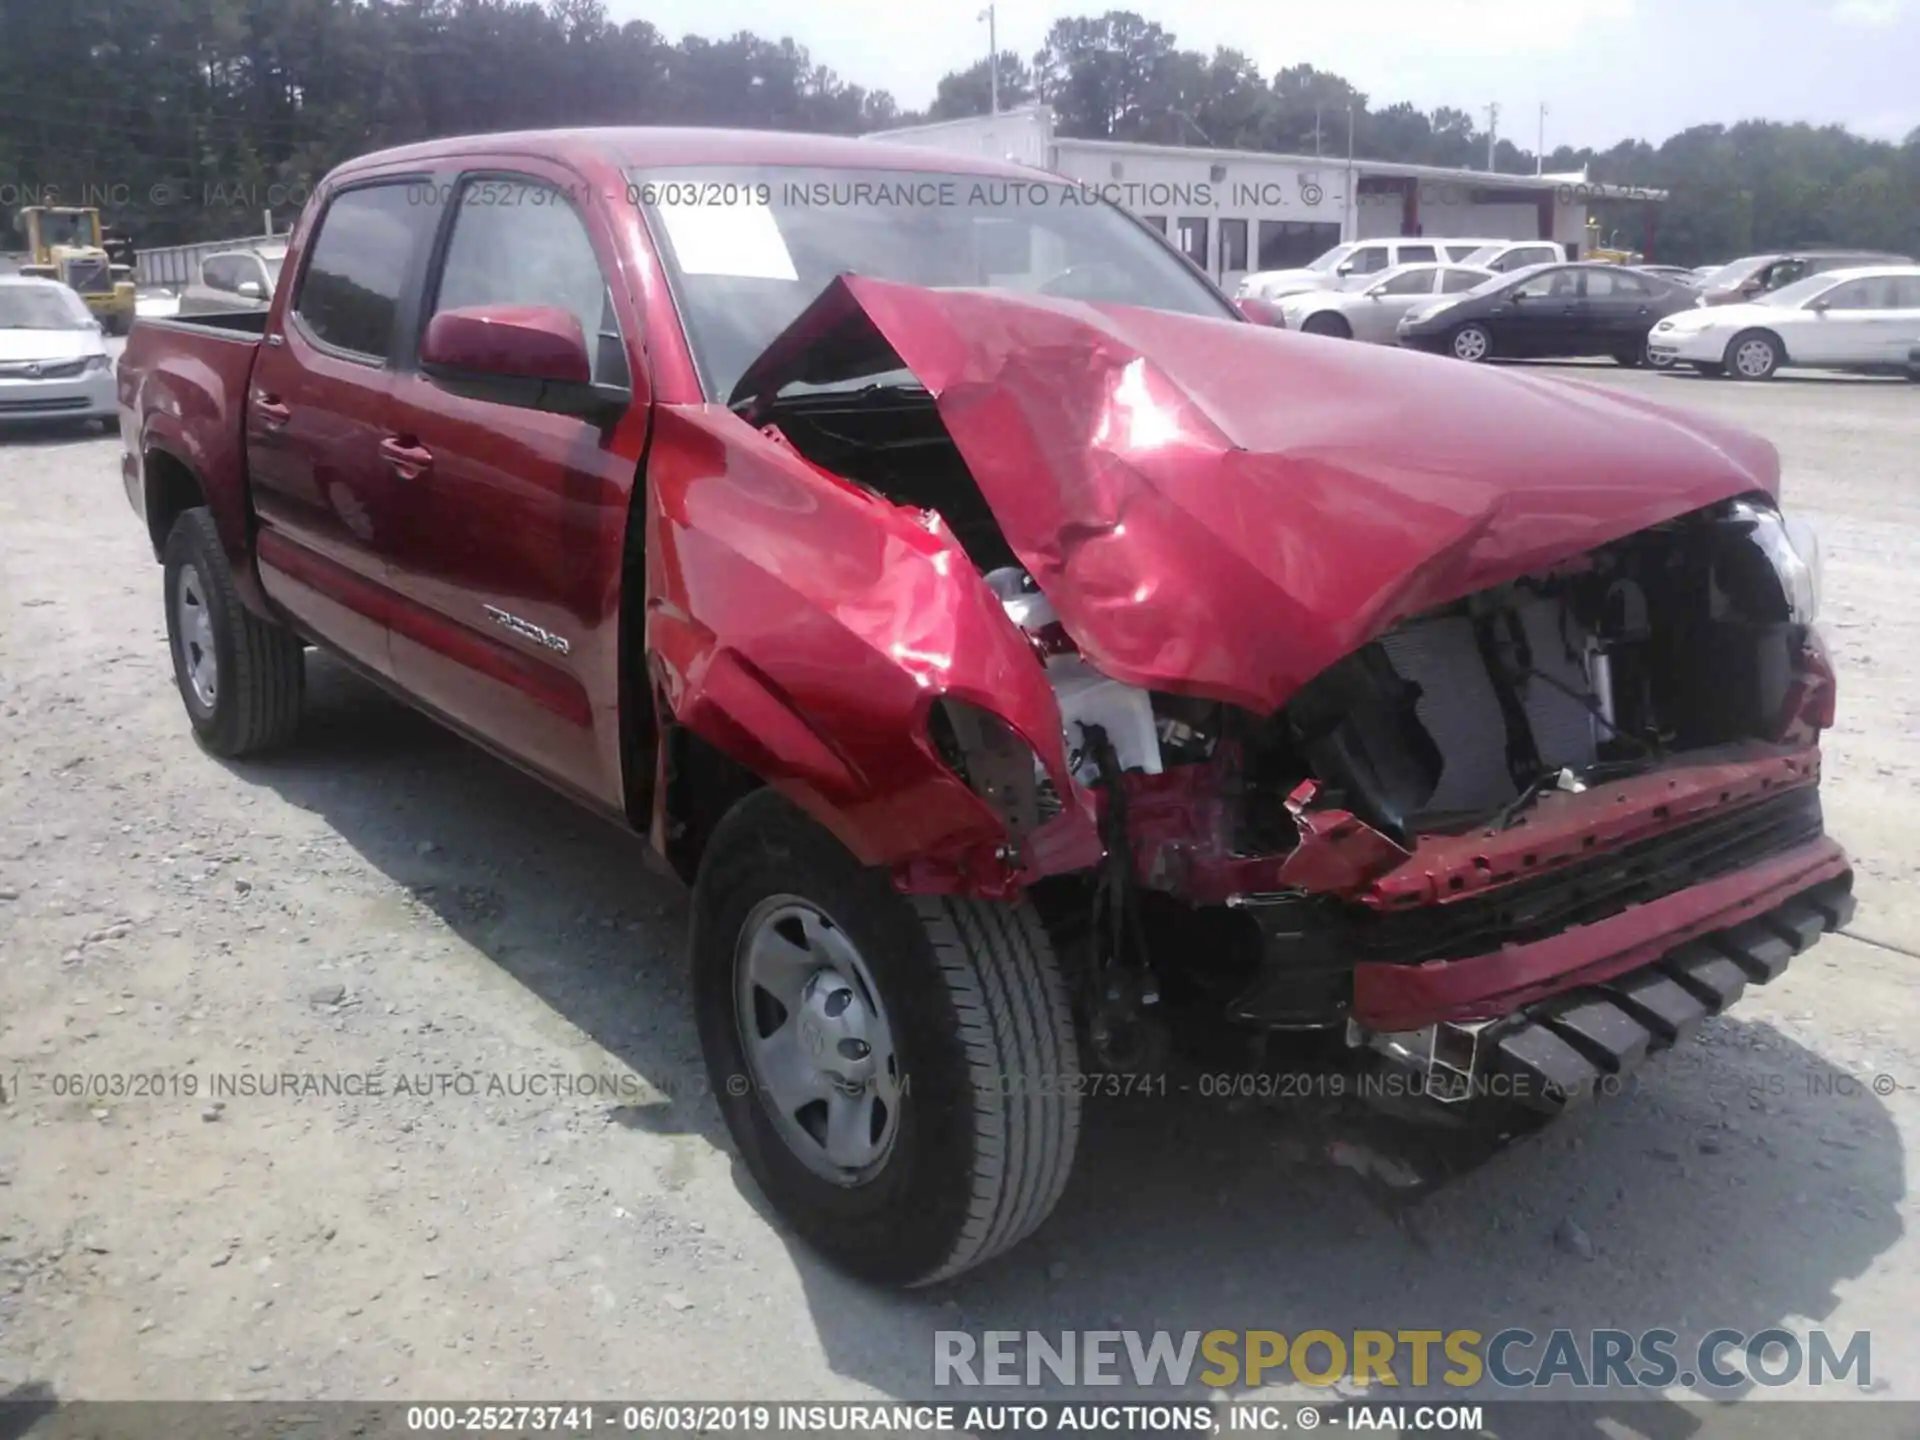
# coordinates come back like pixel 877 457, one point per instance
pixel 1225 509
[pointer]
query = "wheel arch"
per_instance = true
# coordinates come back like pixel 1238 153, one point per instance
pixel 1778 340
pixel 170 487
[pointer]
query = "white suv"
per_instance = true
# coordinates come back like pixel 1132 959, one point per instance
pixel 1359 257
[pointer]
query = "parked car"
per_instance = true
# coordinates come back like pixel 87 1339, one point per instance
pixel 1026 660
pixel 1585 308
pixel 54 363
pixel 1755 275
pixel 240 279
pixel 1509 256
pixel 1677 274
pixel 1862 319
pixel 1372 309
pixel 1913 361
pixel 1353 259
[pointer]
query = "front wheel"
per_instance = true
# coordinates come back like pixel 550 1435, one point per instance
pixel 243 678
pixel 1325 323
pixel 1753 355
pixel 1472 343
pixel 900 1073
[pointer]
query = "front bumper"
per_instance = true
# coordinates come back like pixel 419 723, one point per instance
pixel 85 397
pixel 1687 346
pixel 1433 342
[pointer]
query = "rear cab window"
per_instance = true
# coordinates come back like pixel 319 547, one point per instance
pixel 357 267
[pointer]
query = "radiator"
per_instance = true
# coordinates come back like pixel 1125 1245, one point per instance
pixel 1462 713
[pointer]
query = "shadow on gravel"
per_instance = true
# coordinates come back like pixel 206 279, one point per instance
pixel 1738 1182
pixel 24 1406
pixel 46 434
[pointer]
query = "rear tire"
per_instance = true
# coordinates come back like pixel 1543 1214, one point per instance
pixel 242 677
pixel 1627 360
pixel 965 995
pixel 1754 355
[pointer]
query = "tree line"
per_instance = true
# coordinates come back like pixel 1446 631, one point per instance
pixel 185 119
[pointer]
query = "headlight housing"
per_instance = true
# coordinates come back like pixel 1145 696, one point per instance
pixel 1793 549
pixel 102 361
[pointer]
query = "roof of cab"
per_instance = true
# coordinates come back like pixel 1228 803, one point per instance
pixel 648 147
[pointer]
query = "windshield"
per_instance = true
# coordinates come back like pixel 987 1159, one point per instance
pixel 749 247
pixel 1798 293
pixel 42 307
pixel 1326 264
pixel 74 230
pixel 1734 273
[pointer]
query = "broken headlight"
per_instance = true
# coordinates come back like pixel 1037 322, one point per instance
pixel 1794 552
pixel 994 761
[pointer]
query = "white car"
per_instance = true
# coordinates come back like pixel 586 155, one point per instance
pixel 1357 257
pixel 1859 319
pixel 1371 307
pixel 54 363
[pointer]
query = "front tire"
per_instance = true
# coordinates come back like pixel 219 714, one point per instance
pixel 1471 343
pixel 242 678
pixel 1326 324
pixel 900 1073
pixel 1754 355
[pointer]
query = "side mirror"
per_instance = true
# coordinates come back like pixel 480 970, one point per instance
pixel 1819 307
pixel 532 356
pixel 251 290
pixel 1343 270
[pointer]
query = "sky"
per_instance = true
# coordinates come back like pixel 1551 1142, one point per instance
pixel 1605 69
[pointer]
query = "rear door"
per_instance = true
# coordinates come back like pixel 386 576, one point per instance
pixel 316 413
pixel 1618 310
pixel 511 523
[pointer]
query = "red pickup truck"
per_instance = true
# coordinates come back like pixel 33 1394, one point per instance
pixel 1038 672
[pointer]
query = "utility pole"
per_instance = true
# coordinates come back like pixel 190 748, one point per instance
pixel 1493 129
pixel 1352 206
pixel 993 56
pixel 1540 155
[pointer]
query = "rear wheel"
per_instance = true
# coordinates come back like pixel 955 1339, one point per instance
pixel 1628 358
pixel 1753 355
pixel 900 1073
pixel 243 678
pixel 1471 343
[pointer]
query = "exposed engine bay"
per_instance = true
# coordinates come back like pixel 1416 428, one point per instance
pixel 1254 860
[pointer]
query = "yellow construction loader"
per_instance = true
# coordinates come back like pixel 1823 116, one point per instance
pixel 64 244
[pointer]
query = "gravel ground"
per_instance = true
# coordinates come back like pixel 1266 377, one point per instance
pixel 388 901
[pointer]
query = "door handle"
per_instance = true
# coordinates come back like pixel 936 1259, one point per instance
pixel 409 461
pixel 271 411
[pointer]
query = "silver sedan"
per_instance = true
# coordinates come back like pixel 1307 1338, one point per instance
pixel 1369 307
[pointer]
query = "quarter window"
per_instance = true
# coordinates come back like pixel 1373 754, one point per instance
pixel 1418 254
pixel 350 290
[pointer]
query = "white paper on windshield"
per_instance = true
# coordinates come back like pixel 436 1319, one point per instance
pixel 743 241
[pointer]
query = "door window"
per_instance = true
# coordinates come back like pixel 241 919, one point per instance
pixel 356 267
pixel 1418 255
pixel 1367 260
pixel 1554 285
pixel 1407 282
pixel 1616 284
pixel 1875 294
pixel 1455 282
pixel 1906 293
pixel 521 242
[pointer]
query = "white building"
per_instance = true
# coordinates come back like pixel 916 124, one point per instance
pixel 1233 211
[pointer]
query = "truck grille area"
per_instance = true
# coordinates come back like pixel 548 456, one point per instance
pixel 1585 891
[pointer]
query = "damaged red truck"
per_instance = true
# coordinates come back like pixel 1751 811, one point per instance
pixel 1036 670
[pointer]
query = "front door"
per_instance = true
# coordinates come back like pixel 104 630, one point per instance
pixel 1539 316
pixel 316 413
pixel 1850 324
pixel 513 522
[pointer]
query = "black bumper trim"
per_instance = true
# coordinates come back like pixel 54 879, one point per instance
pixel 1554 1052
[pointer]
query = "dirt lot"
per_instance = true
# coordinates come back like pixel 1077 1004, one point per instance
pixel 389 901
